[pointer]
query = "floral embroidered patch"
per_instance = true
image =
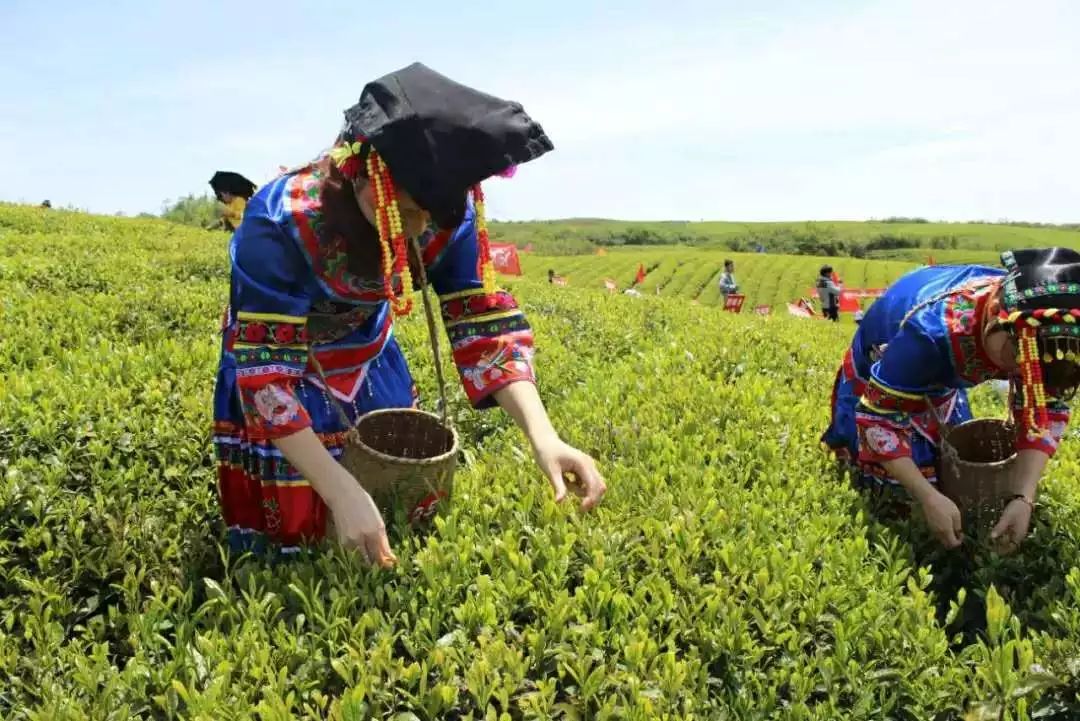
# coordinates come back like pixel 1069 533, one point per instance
pixel 882 441
pixel 276 405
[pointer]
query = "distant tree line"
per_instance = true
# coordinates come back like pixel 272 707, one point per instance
pixel 197 210
pixel 581 236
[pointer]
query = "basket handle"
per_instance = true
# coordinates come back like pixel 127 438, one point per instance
pixel 943 423
pixel 342 415
pixel 432 336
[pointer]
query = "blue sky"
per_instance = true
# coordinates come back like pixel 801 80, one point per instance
pixel 676 109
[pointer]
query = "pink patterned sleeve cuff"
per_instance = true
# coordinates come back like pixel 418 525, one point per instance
pixel 1047 442
pixel 270 355
pixel 491 340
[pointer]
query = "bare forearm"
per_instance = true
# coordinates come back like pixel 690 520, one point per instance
pixel 1030 465
pixel 522 402
pixel 304 450
pixel 910 477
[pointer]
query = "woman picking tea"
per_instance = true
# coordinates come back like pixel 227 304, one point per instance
pixel 937 332
pixel 321 268
pixel 233 191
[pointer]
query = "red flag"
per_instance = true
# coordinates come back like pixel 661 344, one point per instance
pixel 640 277
pixel 849 301
pixel 835 278
pixel 504 257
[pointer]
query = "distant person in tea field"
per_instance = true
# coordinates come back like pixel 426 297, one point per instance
pixel 935 333
pixel 727 279
pixel 828 293
pixel 555 279
pixel 320 272
pixel 233 191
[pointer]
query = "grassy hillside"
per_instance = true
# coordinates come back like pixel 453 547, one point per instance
pixel 857 239
pixel 730 573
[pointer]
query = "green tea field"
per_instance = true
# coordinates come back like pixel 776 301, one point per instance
pixel 913 239
pixel 694 274
pixel 730 573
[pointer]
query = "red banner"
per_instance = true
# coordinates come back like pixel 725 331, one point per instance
pixel 849 301
pixel 733 302
pixel 504 257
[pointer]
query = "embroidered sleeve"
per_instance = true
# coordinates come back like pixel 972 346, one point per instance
pixel 900 380
pixel 884 434
pixel 1028 438
pixel 269 341
pixel 491 339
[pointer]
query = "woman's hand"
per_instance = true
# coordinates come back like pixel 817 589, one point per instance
pixel 1013 526
pixel 943 518
pixel 359 526
pixel 557 459
pixel 1015 522
pixel 942 515
pixel 354 516
pixel 554 457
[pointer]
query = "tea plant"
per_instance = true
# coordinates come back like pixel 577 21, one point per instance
pixel 730 573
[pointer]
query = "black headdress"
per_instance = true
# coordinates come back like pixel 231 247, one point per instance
pixel 440 138
pixel 226 181
pixel 1041 306
pixel 437 140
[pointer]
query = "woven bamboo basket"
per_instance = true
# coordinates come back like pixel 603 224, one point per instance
pixel 978 462
pixel 405 458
